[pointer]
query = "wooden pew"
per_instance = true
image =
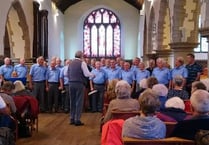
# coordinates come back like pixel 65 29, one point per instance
pixel 169 127
pixel 166 141
pixel 124 114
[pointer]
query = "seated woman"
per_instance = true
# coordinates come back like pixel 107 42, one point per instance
pixel 151 81
pixel 198 85
pixel 5 119
pixel 6 90
pixel 123 102
pixel 142 87
pixel 161 90
pixel 174 110
pixel 145 126
pixel 188 128
pixel 177 89
pixel 20 90
pixel 109 95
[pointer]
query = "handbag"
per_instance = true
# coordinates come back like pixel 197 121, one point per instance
pixel 202 137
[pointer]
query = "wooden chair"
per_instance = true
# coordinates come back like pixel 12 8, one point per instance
pixel 169 127
pixel 124 114
pixel 28 107
pixel 166 141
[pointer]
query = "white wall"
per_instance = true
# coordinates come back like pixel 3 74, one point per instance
pixel 55 30
pixel 75 15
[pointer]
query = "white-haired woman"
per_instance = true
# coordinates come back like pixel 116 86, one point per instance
pixel 200 104
pixel 178 89
pixel 20 89
pixel 174 110
pixel 123 102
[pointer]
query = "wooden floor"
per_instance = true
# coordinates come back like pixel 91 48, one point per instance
pixel 54 129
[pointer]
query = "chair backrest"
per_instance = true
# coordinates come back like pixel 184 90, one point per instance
pixel 169 127
pixel 166 141
pixel 188 107
pixel 124 114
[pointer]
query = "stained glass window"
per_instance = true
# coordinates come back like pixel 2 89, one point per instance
pixel 102 34
pixel 203 44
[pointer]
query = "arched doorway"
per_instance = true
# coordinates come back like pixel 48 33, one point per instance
pixel 16 39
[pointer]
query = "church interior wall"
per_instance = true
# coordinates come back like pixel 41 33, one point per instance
pixel 128 15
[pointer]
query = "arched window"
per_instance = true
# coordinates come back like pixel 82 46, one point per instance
pixel 101 34
pixel 203 44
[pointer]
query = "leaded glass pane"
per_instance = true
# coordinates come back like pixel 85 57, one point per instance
pixel 102 41
pixel 109 37
pixel 102 34
pixel 94 41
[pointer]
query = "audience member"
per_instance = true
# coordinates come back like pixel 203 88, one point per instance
pixel 20 89
pixel 188 128
pixel 6 90
pixel 2 106
pixel 123 102
pixel 198 85
pixel 142 86
pixel 173 111
pixel 151 81
pixel 162 92
pixel 145 126
pixel 177 89
pixel 110 92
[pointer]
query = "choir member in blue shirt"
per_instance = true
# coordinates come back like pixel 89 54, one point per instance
pixel 128 75
pixel 52 86
pixel 179 70
pixel 141 73
pixel 6 69
pixel 64 84
pixel 37 78
pixel 21 69
pixel 113 72
pixel 98 83
pixel 162 73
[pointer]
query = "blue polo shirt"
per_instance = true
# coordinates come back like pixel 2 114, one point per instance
pixel 53 75
pixel 6 71
pixel 100 76
pixel 38 72
pixel 113 73
pixel 64 75
pixel 179 71
pixel 141 74
pixel 163 75
pixel 128 75
pixel 21 70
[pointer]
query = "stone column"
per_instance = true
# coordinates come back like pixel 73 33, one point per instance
pixel 182 48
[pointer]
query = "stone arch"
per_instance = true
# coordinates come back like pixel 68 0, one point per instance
pixel 24 28
pixel 163 28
